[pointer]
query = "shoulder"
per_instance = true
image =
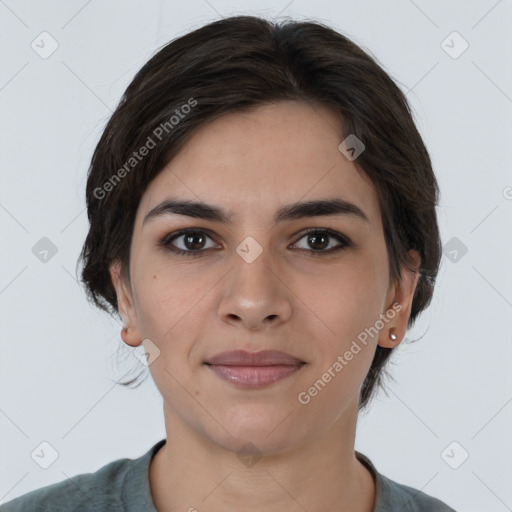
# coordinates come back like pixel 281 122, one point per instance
pixel 87 491
pixel 410 499
pixel 391 495
pixel 109 488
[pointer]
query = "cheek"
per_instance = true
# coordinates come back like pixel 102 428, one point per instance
pixel 166 303
pixel 347 299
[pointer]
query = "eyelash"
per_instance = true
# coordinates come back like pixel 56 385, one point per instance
pixel 166 241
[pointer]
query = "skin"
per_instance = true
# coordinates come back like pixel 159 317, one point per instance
pixel 194 308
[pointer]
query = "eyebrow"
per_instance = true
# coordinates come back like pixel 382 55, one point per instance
pixel 293 211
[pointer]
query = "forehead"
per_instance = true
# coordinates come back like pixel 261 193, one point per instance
pixel 255 161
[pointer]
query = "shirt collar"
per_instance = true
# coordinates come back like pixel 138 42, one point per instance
pixel 137 491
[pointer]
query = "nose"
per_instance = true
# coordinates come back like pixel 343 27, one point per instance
pixel 255 295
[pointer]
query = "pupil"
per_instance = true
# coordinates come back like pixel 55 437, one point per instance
pixel 318 236
pixel 194 245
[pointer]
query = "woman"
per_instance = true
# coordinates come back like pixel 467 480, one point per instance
pixel 262 217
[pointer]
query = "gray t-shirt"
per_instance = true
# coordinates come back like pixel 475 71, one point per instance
pixel 123 485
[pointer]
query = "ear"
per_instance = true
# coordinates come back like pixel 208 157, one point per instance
pixel 130 333
pixel 400 293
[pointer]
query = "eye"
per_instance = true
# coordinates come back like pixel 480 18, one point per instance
pixel 192 242
pixel 320 239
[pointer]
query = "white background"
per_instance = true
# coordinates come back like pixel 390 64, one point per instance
pixel 58 360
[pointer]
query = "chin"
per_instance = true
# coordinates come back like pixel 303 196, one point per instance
pixel 264 436
pixel 248 444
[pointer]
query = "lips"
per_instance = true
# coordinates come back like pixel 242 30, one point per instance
pixel 262 358
pixel 254 369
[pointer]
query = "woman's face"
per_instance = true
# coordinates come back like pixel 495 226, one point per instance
pixel 258 285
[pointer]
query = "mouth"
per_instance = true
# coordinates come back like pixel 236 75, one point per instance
pixel 254 369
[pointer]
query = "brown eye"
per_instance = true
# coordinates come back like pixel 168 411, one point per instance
pixel 320 241
pixel 187 242
pixel 194 241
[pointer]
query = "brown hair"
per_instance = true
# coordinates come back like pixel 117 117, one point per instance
pixel 232 65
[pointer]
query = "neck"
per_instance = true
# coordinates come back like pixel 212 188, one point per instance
pixel 191 472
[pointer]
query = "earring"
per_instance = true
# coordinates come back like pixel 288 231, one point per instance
pixel 392 335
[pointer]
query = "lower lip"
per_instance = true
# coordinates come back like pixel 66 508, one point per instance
pixel 254 376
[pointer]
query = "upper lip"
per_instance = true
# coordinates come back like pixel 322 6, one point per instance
pixel 262 358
